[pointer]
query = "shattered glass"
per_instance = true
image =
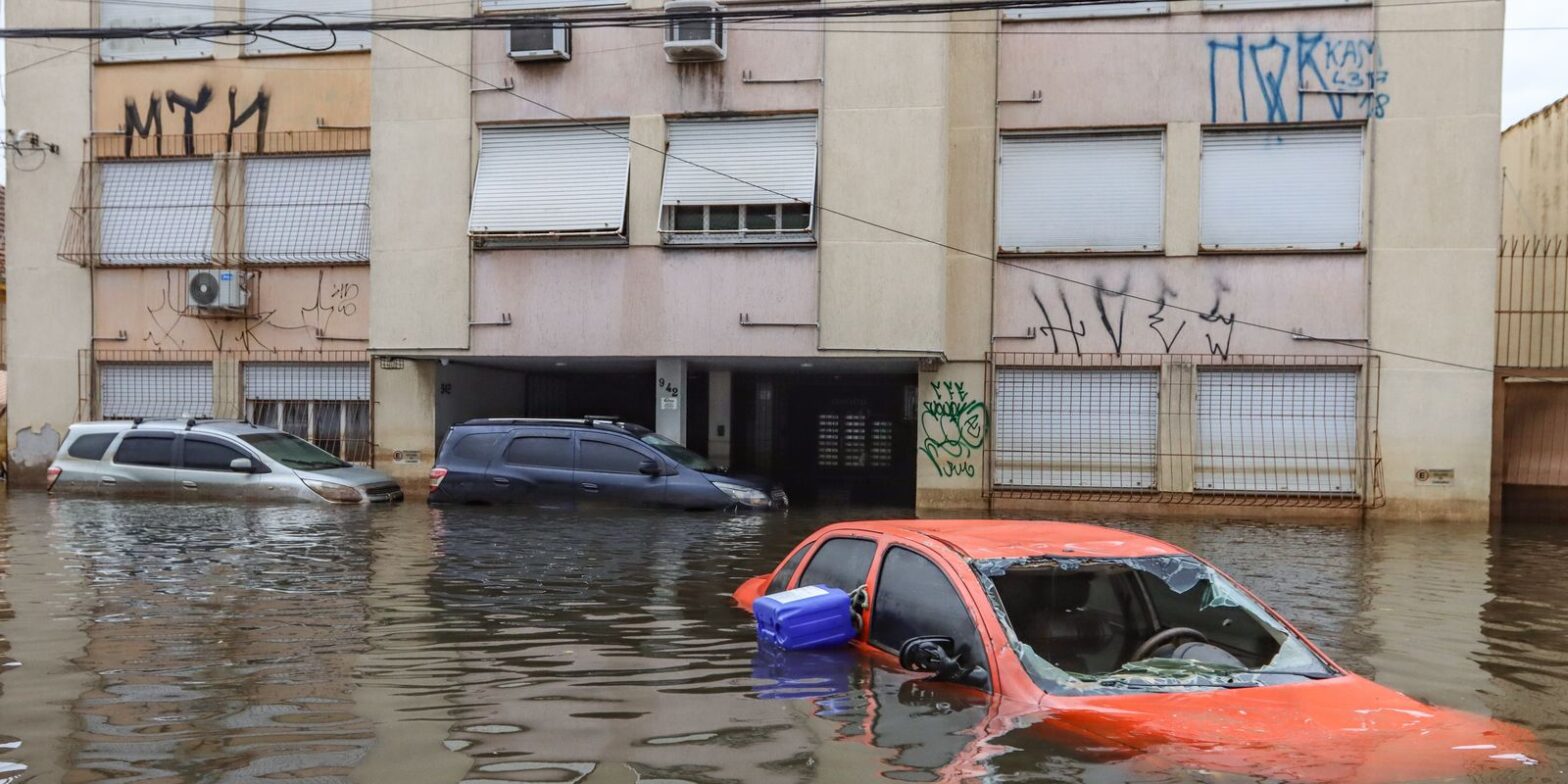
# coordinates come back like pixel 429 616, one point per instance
pixel 1181 573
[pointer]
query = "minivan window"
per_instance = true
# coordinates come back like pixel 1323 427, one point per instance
pixel 476 447
pixel 210 455
pixel 149 450
pixel 841 563
pixel 296 453
pixel 608 458
pixel 91 446
pixel 540 452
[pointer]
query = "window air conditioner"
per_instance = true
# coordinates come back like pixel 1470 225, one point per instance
pixel 693 34
pixel 217 289
pixel 541 43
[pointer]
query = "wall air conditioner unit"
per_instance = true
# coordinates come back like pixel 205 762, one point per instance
pixel 217 289
pixel 693 34
pixel 552 42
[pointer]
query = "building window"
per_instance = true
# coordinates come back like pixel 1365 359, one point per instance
pixel 1059 428
pixel 551 182
pixel 1126 8
pixel 156 212
pixel 325 403
pixel 307 208
pixel 740 181
pixel 1277 431
pixel 1081 192
pixel 166 13
pixel 1298 189
pixel 167 390
pixel 307 41
pixel 1265 5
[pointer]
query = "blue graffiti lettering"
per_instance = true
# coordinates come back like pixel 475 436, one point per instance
pixel 1320 69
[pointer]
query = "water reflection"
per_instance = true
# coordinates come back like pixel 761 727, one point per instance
pixel 163 643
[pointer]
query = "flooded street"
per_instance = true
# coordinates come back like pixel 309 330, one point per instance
pixel 144 642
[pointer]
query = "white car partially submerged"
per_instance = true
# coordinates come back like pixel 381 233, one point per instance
pixel 208 459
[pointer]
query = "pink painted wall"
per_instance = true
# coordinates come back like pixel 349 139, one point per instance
pixel 622 72
pixel 644 301
pixel 1157 69
pixel 1324 295
pixel 288 306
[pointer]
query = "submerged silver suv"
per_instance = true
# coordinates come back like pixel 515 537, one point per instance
pixel 199 458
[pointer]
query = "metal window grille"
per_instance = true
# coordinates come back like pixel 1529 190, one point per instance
pixel 1280 430
pixel 307 208
pixel 1532 302
pixel 321 396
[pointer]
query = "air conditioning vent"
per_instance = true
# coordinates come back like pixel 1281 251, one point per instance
pixel 542 43
pixel 217 289
pixel 694 33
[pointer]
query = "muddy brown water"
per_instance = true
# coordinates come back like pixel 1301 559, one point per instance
pixel 145 642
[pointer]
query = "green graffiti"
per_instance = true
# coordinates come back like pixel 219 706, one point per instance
pixel 953 428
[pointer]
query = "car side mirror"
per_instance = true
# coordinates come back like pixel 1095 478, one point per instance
pixel 242 465
pixel 650 468
pixel 941 657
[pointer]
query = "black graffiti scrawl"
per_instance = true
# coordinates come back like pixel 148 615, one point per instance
pixel 185 108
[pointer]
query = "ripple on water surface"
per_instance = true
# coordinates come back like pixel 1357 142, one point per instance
pixel 250 644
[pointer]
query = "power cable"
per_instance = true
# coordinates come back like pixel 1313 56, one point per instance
pixel 1368 348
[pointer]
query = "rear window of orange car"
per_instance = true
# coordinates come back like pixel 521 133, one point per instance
pixel 842 562
pixel 781 579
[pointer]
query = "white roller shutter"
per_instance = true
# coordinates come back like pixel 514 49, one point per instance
pixel 307 381
pixel 741 161
pixel 1277 431
pixel 542 180
pixel 314 208
pixel 1124 8
pixel 1071 428
pixel 544 5
pixel 163 13
pixel 1282 189
pixel 156 212
pixel 155 389
pixel 262 11
pixel 1259 5
pixel 1081 192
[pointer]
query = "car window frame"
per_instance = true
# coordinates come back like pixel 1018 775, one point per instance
pixel 455 442
pixel 870 579
pixel 625 442
pixel 102 453
pixel 257 466
pixel 798 555
pixel 969 602
pixel 132 435
pixel 499 461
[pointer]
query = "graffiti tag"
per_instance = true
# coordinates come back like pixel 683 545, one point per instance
pixel 952 429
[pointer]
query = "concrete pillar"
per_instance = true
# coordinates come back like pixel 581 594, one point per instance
pixel 953 433
pixel 647 179
pixel 405 421
pixel 1183 160
pixel 720 407
pixel 228 387
pixel 1178 433
pixel 670 392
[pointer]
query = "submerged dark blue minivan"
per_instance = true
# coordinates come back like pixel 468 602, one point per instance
pixel 565 461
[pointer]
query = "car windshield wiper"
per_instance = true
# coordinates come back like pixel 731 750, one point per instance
pixel 1200 684
pixel 1315 676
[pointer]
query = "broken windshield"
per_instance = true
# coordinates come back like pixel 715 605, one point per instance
pixel 1155 623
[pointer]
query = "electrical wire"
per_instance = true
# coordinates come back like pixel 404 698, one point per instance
pixel 1367 348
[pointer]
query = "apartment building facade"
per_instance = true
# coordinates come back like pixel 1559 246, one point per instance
pixel 1183 253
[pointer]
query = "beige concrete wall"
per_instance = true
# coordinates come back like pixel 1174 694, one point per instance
pixel 421 131
pixel 334 88
pixel 292 308
pixel 1435 222
pixel 405 421
pixel 644 301
pixel 885 134
pixel 1323 295
pixel 48 301
pixel 1535 173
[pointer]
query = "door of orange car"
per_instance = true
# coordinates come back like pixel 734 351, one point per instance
pixel 912 596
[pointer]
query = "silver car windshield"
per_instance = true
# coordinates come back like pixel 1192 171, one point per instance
pixel 296 453
pixel 1160 623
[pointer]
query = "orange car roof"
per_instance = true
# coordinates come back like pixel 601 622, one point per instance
pixel 984 539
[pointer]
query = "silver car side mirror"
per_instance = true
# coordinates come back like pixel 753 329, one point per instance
pixel 242 465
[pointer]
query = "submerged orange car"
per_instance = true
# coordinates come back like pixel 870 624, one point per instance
pixel 1124 646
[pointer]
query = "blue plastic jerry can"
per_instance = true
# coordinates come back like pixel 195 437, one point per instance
pixel 813 616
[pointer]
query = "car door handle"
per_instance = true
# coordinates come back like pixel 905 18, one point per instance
pixel 499 481
pixel 107 480
pixel 189 485
pixel 590 487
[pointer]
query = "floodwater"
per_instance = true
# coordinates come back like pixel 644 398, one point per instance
pixel 144 642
